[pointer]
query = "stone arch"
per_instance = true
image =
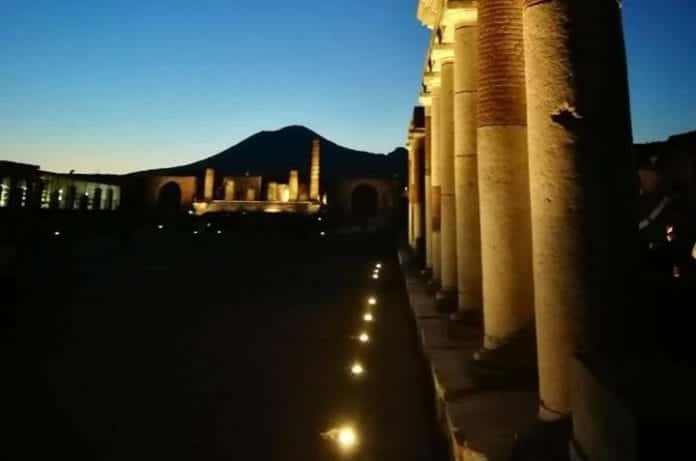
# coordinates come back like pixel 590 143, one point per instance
pixel 169 197
pixel 364 201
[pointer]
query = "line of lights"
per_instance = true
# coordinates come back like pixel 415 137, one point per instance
pixel 346 436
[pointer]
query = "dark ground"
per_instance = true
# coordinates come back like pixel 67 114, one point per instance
pixel 165 345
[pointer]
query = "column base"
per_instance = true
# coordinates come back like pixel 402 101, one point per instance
pixel 512 365
pixel 446 301
pixel 546 441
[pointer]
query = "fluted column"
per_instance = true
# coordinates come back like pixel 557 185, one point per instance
pixel 435 185
pixel 582 180
pixel 448 229
pixel 503 173
pixel 465 166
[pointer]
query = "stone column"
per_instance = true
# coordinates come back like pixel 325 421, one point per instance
pixel 272 193
pixel 283 193
pixel 465 166
pixel 314 171
pixel 447 297
pixel 229 190
pixel 209 184
pixel 418 153
pixel 503 173
pixel 294 185
pixel 411 174
pixel 250 194
pixel 435 185
pixel 582 183
pixel 427 183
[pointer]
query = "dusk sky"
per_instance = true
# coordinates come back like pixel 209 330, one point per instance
pixel 130 85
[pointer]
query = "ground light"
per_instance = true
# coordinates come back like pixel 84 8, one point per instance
pixel 56 233
pixel 364 338
pixel 372 301
pixel 322 233
pixel 219 232
pixel 345 437
pixel 378 265
pixel 375 276
pixel 195 232
pixel 357 369
pixel 160 226
pixel 368 317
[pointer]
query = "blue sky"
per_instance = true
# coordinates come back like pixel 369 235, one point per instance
pixel 115 86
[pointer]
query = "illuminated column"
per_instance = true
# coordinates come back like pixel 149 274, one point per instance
pixel 435 190
pixel 503 173
pixel 294 185
pixel 469 284
pixel 448 230
pixel 251 194
pixel 314 171
pixel 582 179
pixel 272 193
pixel 283 193
pixel 411 215
pixel 426 100
pixel 229 190
pixel 209 184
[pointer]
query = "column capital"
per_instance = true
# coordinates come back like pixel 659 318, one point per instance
pixel 432 79
pixel 426 99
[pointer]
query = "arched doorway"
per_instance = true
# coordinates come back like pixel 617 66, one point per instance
pixel 169 198
pixel 364 202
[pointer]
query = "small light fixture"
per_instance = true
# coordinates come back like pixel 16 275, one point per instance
pixel 378 265
pixel 319 219
pixel 209 225
pixel 322 233
pixel 56 233
pixel 357 369
pixel 368 317
pixel 345 437
pixel 190 212
pixel 364 338
pixel 372 301
pixel 375 276
pixel 160 226
pixel 195 232
pixel 219 232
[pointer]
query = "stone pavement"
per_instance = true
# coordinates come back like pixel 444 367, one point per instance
pixel 481 424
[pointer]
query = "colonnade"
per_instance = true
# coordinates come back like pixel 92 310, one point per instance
pixel 527 177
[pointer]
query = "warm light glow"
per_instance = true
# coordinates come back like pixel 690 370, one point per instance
pixel 345 437
pixel 357 369
pixel 372 301
pixel 160 226
pixel 190 212
pixel 375 276
pixel 322 233
pixel 693 251
pixel 378 265
pixel 319 219
pixel 219 232
pixel 364 338
pixel 368 317
pixel 195 232
pixel 57 233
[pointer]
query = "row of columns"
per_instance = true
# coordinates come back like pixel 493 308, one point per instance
pixel 528 175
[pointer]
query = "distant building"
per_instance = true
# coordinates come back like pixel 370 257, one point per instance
pixel 26 186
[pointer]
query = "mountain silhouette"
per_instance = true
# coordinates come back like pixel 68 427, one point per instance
pixel 273 154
